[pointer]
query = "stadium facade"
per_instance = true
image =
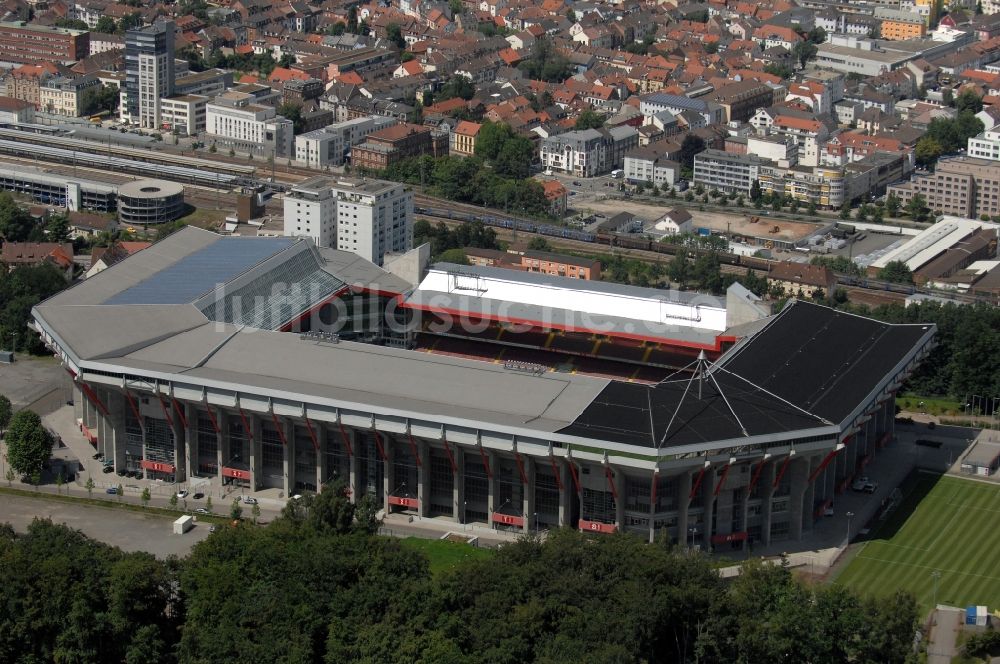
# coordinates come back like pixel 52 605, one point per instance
pixel 209 356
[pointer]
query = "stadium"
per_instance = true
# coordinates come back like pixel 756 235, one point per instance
pixel 478 395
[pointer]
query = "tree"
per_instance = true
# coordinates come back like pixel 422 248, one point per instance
pixel 927 151
pixel 917 208
pixel 255 511
pixel 456 86
pixel 897 272
pixel 804 51
pixel 29 444
pixel 59 482
pixel 892 205
pixel 129 22
pixel 456 256
pixel 145 497
pixel 89 486
pixel 5 412
pixel 589 119
pixel 106 25
pixel 119 491
pixel 755 191
pixel 782 71
pixel 817 35
pixel 690 146
pixel 491 139
pixel 539 244
pixel 395 35
pixel 208 504
pixel 236 510
pixel 293 112
pixel 173 500
pixel 968 100
pixel 545 63
pixel 9 476
pixel 515 157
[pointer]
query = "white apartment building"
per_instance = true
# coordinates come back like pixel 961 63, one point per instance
pixel 366 217
pixel 185 114
pixel 987 144
pixel 331 145
pixel 650 164
pixel 236 120
pixel 311 211
pixel 588 152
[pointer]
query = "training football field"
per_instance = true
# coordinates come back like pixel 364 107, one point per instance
pixel 943 524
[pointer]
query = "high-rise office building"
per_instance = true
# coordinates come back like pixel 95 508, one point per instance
pixel 149 73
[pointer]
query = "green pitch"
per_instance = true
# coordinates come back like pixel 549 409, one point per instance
pixel 943 523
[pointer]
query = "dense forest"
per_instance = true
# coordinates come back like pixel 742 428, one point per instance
pixel 316 586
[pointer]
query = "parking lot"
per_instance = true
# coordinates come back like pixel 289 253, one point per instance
pixel 31 378
pixel 130 531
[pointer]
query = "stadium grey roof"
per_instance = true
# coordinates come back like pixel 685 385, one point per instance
pixel 808 358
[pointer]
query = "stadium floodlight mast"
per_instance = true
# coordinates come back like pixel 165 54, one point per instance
pixel 936 575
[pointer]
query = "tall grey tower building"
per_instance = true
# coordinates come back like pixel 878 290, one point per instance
pixel 149 72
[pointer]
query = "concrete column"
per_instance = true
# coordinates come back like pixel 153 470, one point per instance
pixel 766 483
pixel 256 452
pixel 222 437
pixel 491 503
pixel 529 495
pixel 79 401
pixel 322 472
pixel 290 454
pixel 193 444
pixel 618 477
pixel 180 442
pixel 809 496
pixel 798 471
pixel 707 489
pixel 353 464
pixel 423 477
pixel 684 481
pixel 113 445
pixel 652 510
pixel 458 487
pixel 388 476
pixel 744 508
pixel 566 495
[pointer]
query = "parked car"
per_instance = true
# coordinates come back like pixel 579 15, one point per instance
pixel 865 484
pixel 109 469
pixel 111 491
pixel 212 529
pixel 182 494
pixel 249 500
pixel 198 496
pixel 98 455
pixel 202 510
pixel 122 473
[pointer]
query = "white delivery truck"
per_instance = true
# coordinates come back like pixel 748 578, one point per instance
pixel 183 524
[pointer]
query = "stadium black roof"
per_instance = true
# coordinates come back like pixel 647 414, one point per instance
pixel 810 367
pixel 833 360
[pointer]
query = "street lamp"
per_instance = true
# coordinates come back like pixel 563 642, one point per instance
pixel 849 515
pixel 936 575
pixel 536 522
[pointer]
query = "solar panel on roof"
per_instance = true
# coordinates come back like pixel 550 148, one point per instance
pixel 201 271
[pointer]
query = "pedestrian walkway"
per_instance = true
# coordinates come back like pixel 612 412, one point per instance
pixel 941 644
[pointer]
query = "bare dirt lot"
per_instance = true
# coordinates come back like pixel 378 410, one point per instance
pixel 735 223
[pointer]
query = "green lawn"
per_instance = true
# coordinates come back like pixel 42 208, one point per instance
pixel 945 524
pixel 445 555
pixel 933 405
